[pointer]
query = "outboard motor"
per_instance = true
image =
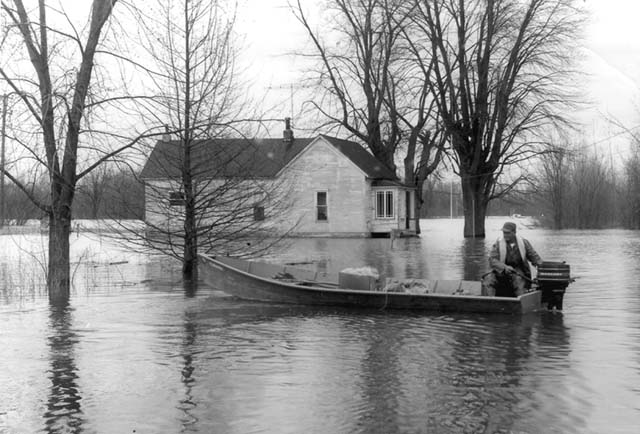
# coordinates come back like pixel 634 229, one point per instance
pixel 553 279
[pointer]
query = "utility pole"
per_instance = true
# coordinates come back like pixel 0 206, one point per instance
pixel 5 97
pixel 3 134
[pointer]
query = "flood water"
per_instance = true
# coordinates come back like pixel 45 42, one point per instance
pixel 134 352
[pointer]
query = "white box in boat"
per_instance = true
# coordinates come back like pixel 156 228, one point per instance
pixel 362 279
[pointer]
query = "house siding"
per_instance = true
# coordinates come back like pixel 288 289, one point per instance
pixel 321 167
pixel 158 213
pixel 162 216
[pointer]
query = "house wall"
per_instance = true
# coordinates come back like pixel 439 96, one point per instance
pixel 158 212
pixel 321 167
pixel 235 202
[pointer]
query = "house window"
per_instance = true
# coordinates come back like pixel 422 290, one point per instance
pixel 258 213
pixel 384 204
pixel 176 198
pixel 322 214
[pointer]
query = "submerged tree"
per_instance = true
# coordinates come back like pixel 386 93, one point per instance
pixel 631 210
pixel 374 81
pixel 591 201
pixel 112 192
pixel 355 72
pixel 501 76
pixel 55 94
pixel 554 182
pixel 202 184
pixel 630 194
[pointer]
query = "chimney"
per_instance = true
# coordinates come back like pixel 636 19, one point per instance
pixel 166 136
pixel 287 134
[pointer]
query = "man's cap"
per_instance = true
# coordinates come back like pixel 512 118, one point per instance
pixel 509 226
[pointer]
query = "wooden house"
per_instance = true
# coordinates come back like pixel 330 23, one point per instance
pixel 333 187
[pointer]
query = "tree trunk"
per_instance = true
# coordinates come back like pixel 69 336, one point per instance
pixel 190 258
pixel 50 114
pixel 475 207
pixel 190 254
pixel 558 219
pixel 58 275
pixel 419 202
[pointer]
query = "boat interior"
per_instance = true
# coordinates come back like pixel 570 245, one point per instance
pixel 305 277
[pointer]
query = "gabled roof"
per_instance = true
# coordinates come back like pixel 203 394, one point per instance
pixel 250 158
pixel 362 158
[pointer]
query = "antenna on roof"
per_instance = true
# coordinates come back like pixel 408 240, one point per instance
pixel 289 86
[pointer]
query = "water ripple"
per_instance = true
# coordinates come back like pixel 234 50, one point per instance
pixel 155 357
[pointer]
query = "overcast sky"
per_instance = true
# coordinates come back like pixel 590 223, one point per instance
pixel 612 57
pixel 614 34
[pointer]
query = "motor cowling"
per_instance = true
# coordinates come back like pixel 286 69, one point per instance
pixel 553 279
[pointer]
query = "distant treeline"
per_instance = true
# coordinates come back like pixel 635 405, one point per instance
pixel 444 199
pixel 571 190
pixel 103 195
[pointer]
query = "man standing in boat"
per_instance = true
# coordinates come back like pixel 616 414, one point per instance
pixel 510 274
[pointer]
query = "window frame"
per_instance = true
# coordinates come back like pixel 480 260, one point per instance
pixel 324 207
pixel 385 208
pixel 258 213
pixel 176 198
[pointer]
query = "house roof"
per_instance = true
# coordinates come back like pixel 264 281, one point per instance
pixel 389 183
pixel 250 158
pixel 362 158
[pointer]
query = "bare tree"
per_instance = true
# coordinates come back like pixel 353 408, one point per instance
pixel 92 192
pixel 412 106
pixel 500 76
pixel 19 207
pixel 200 191
pixel 124 194
pixel 355 72
pixel 630 194
pixel 591 197
pixel 55 95
pixel 375 83
pixel 631 211
pixel 112 191
pixel 237 199
pixel 554 182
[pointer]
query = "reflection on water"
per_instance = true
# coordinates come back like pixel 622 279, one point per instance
pixel 135 350
pixel 443 256
pixel 63 411
pixel 475 257
pixel 379 372
pixel 188 403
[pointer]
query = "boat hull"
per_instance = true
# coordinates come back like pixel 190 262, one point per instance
pixel 233 276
